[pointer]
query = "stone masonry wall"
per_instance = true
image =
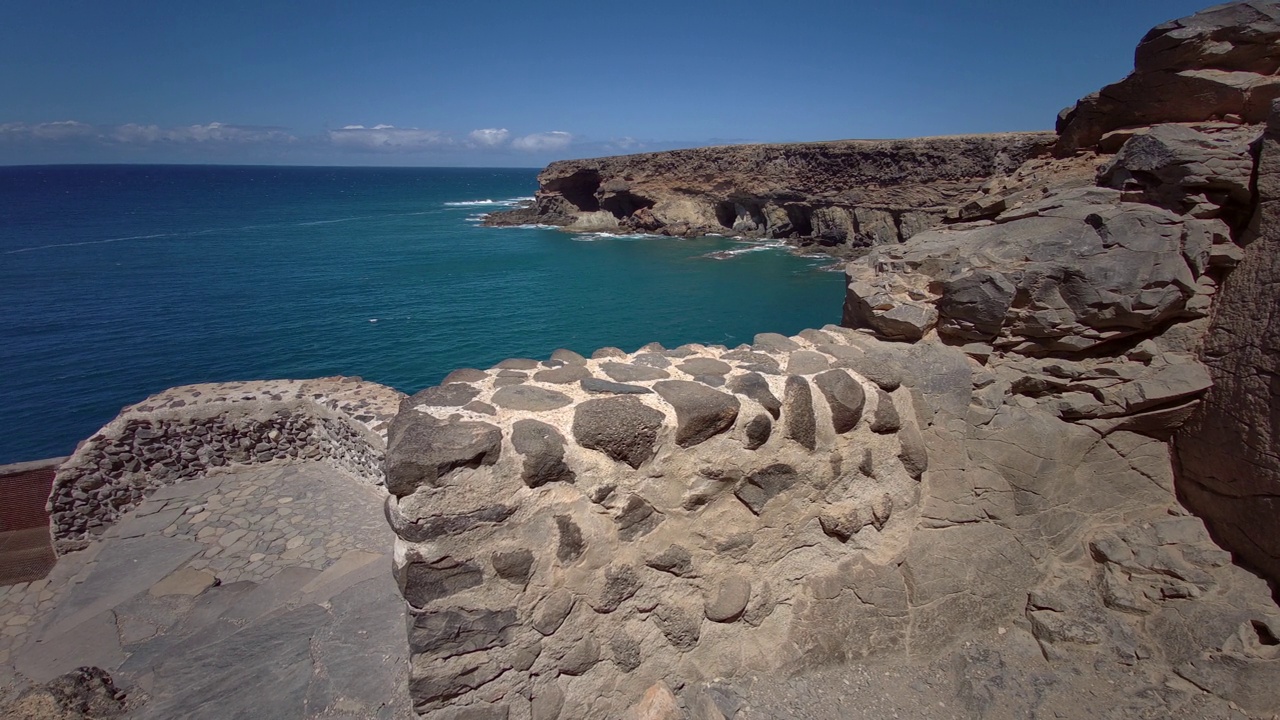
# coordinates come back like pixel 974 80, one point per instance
pixel 574 531
pixel 184 432
pixel 631 516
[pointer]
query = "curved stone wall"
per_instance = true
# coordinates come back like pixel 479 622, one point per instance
pixel 640 514
pixel 186 431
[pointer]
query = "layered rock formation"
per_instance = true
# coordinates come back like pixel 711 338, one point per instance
pixel 841 196
pixel 1219 64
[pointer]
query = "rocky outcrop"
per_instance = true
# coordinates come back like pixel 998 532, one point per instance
pixel 1219 64
pixel 185 432
pixel 840 196
pixel 1079 269
pixel 1230 450
pixel 1133 265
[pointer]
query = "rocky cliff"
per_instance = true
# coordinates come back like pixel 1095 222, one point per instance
pixel 840 195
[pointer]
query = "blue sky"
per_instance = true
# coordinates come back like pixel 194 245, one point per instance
pixel 518 84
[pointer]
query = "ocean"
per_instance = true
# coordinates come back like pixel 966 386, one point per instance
pixel 119 281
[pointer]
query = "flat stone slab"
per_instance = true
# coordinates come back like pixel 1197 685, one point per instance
pixel 184 582
pixel 705 366
pixel 623 372
pixel 529 398
pixel 562 375
pixel 451 395
pixel 93 642
pixel 139 525
pixel 122 570
pixel 265 670
pixel 189 488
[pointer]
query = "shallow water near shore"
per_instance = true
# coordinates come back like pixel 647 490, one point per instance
pixel 119 281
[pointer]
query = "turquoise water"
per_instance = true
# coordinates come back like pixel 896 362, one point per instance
pixel 119 281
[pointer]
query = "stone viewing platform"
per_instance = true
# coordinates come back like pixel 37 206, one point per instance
pixel 253 591
pixel 183 432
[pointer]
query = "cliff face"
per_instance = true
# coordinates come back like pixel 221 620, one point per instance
pixel 1230 450
pixel 840 195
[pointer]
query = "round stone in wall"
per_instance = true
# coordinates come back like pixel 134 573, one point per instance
pixel 621 427
pixel 624 372
pixel 701 412
pixel 529 398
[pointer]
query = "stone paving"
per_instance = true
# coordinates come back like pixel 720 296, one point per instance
pixel 258 592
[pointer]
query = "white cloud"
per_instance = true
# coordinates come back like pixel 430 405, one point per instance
pixel 49 132
pixel 489 137
pixel 387 138
pixel 212 133
pixel 543 142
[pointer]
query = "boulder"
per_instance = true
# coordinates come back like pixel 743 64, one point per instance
pixel 705 366
pixel 797 407
pixel 758 488
pixel 845 397
pixel 625 373
pixel 565 374
pixel 730 600
pixel 754 386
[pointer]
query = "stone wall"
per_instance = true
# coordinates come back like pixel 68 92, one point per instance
pixel 573 531
pixel 619 519
pixel 1230 450
pixel 184 432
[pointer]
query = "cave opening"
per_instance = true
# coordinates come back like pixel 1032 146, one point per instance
pixel 578 188
pixel 625 203
pixel 726 214
pixel 801 223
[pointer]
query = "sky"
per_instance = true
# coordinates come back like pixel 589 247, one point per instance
pixel 519 84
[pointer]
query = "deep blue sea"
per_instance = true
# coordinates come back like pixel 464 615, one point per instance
pixel 119 281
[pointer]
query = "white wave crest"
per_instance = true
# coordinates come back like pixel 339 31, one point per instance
pixel 509 202
pixel 752 247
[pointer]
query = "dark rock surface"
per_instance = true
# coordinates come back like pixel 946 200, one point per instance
pixel 701 412
pixel 621 427
pixel 543 449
